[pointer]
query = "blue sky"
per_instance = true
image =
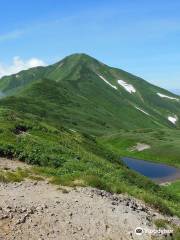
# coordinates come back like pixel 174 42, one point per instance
pixel 142 37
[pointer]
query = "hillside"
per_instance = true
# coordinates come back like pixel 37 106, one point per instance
pixel 72 212
pixel 85 94
pixel 54 117
pixel 70 158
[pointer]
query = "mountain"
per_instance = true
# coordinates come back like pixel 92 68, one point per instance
pixel 82 93
pixel 55 116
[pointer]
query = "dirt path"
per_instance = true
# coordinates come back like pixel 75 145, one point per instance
pixel 39 211
pixel 6 164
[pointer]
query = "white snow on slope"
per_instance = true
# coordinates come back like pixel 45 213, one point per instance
pixel 113 86
pixel 173 119
pixel 166 96
pixel 128 87
pixel 140 147
pixel 142 111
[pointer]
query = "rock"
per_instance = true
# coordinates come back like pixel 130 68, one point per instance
pixel 4 216
pixel 148 218
pixel 21 220
pixel 39 208
pixel 80 228
pixel 31 210
pixel 11 216
pixel 115 198
pixel 23 210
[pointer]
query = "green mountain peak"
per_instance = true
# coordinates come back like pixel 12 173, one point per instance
pixel 80 91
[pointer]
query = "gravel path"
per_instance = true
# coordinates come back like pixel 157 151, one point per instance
pixel 39 211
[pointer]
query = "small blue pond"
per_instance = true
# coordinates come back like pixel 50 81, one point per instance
pixel 155 171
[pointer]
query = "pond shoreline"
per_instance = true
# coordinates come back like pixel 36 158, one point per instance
pixel 158 172
pixel 168 179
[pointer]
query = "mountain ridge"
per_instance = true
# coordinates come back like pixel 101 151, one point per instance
pixel 78 57
pixel 61 118
pixel 81 90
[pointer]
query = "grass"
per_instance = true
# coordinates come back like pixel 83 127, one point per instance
pixel 74 159
pixel 164 144
pixel 19 175
pixel 36 178
pixel 75 96
pixel 164 224
pixel 114 178
pixel 161 223
pixel 174 187
pixel 13 176
pixel 52 123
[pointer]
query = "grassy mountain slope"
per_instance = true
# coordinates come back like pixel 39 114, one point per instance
pixel 50 114
pixel 164 144
pixel 71 158
pixel 75 93
pixel 66 103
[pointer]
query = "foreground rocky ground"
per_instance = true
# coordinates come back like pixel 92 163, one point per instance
pixel 38 210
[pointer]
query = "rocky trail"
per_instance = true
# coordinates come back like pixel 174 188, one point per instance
pixel 37 210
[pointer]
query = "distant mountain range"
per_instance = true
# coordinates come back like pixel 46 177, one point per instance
pixel 83 93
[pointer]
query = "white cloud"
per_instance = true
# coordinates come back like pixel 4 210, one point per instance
pixel 11 35
pixel 18 65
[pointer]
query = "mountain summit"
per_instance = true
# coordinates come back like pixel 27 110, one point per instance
pixel 85 94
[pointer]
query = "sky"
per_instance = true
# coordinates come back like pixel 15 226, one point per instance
pixel 141 37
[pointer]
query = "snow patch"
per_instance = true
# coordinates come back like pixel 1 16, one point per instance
pixel 140 147
pixel 128 87
pixel 142 111
pixel 173 119
pixel 113 86
pixel 166 96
